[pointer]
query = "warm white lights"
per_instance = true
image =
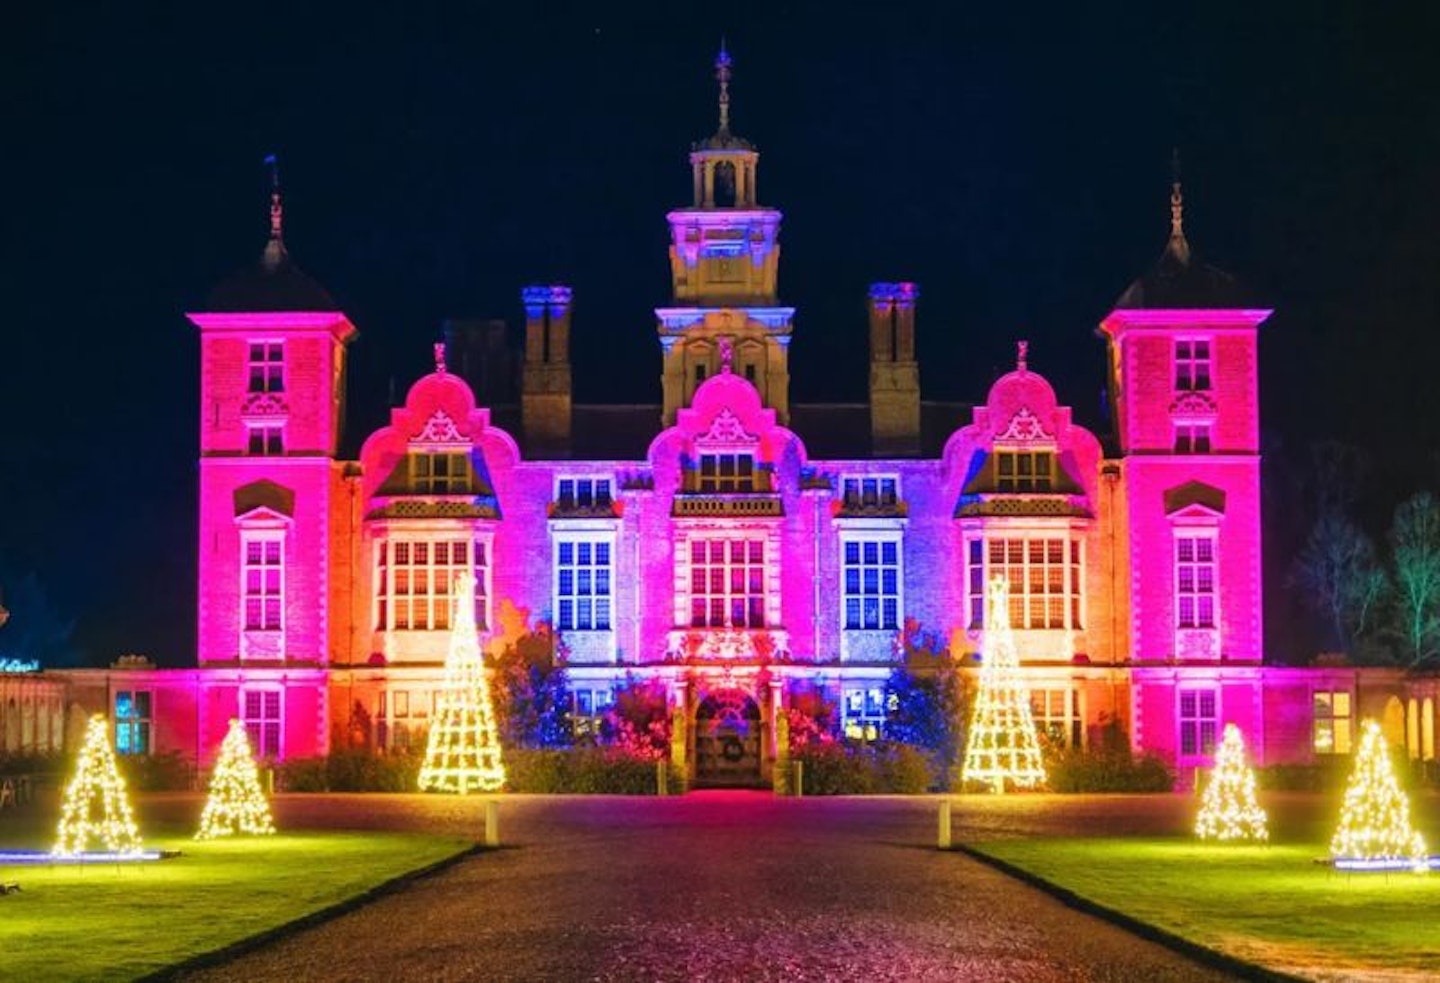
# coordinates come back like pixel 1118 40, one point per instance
pixel 1375 820
pixel 463 753
pixel 236 804
pixel 1228 810
pixel 95 803
pixel 1002 745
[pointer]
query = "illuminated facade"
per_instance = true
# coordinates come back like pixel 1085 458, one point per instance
pixel 726 542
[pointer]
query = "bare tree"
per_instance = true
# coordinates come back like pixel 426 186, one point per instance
pixel 1341 578
pixel 1415 550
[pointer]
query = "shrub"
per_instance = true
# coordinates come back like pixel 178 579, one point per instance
pixel 167 772
pixel 586 770
pixel 1107 769
pixel 352 770
pixel 838 768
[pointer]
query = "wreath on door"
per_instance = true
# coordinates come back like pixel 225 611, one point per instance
pixel 731 749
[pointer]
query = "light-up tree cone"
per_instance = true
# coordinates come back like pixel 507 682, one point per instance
pixel 1228 810
pixel 463 753
pixel 236 804
pixel 1375 820
pixel 1002 745
pixel 95 802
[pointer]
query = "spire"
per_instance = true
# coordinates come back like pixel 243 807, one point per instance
pixel 1022 348
pixel 1178 244
pixel 440 358
pixel 722 74
pixel 275 248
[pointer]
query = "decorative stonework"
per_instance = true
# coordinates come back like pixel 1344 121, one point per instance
pixel 728 645
pixel 261 644
pixel 440 429
pixel 1193 406
pixel 266 406
pixel 410 509
pixel 1197 643
pixel 870 646
pixel 1024 427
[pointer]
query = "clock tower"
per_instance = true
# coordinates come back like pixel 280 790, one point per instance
pixel 724 261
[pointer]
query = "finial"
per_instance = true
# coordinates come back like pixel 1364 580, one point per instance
pixel 722 73
pixel 727 354
pixel 277 213
pixel 1022 348
pixel 439 358
pixel 1177 201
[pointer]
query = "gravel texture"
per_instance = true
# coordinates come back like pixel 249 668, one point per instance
pixel 712 886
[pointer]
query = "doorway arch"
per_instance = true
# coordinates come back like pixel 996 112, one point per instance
pixel 727 739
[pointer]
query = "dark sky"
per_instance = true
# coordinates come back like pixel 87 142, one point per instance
pixel 1015 164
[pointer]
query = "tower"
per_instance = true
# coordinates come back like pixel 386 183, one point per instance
pixel 724 263
pixel 1183 377
pixel 545 383
pixel 894 372
pixel 272 370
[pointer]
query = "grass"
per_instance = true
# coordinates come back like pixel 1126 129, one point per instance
pixel 1270 905
pixel 122 922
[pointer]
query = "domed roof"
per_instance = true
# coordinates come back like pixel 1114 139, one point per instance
pixel 1178 280
pixel 273 284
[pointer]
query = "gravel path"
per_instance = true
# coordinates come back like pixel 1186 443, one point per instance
pixel 712 886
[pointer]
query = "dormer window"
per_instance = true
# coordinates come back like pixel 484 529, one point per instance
pixel 266 365
pixel 721 473
pixel 584 493
pixel 870 493
pixel 1192 364
pixel 1025 471
pixel 441 474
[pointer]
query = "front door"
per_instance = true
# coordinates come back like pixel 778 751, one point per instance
pixel 727 740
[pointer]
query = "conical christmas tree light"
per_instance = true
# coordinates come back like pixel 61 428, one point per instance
pixel 95 803
pixel 236 804
pixel 463 753
pixel 1002 745
pixel 1228 810
pixel 1375 820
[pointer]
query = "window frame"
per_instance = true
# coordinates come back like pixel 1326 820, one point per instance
pixel 883 498
pixel 1071 567
pixel 265 374
pixel 255 726
pixel 1196 593
pixel 743 478
pixel 426 481
pixel 1339 739
pixel 134 732
pixel 863 719
pixel 1025 475
pixel 1068 726
pixel 1193 371
pixel 1195 722
pixel 726 596
pixel 879 539
pixel 264 438
pixel 576 539
pixel 601 491
pixel 387 566
pixel 1194 437
pixel 263 537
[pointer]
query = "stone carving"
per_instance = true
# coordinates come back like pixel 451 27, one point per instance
pixel 1193 405
pixel 268 405
pixel 440 429
pixel 728 645
pixel 1024 427
pixel 1197 643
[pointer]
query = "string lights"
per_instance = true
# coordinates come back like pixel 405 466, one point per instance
pixel 236 804
pixel 95 803
pixel 1375 831
pixel 463 751
pixel 1228 810
pixel 1002 745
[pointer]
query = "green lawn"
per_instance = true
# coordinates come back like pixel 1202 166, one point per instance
pixel 119 922
pixel 1270 905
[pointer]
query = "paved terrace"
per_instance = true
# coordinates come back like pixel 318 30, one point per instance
pixel 725 886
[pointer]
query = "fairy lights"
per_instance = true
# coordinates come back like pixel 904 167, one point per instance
pixel 1002 746
pixel 1228 810
pixel 463 752
pixel 95 802
pixel 1375 830
pixel 236 804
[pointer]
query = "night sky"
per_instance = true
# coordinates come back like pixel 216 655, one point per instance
pixel 1016 167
